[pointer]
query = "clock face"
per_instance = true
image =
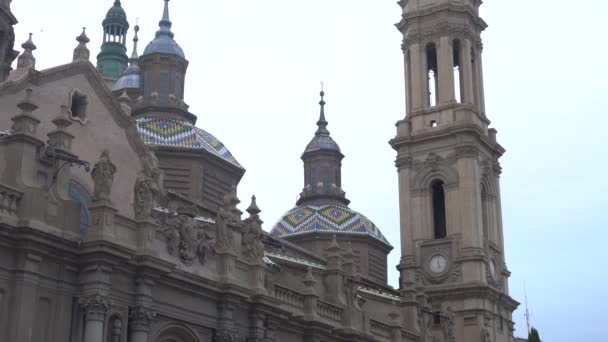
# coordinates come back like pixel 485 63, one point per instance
pixel 438 263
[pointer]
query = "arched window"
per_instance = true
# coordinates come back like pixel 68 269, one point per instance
pixel 484 213
pixel 432 83
pixel 439 220
pixel 176 333
pixel 78 193
pixel 458 80
pixel 408 71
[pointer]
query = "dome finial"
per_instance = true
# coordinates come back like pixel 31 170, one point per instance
pixel 322 123
pixel 165 23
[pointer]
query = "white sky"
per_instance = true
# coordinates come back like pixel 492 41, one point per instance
pixel 253 81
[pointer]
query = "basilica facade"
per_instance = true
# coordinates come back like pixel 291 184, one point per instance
pixel 119 218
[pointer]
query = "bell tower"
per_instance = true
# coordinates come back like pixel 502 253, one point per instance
pixel 447 159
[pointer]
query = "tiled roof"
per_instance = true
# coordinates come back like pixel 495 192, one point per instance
pixel 328 219
pixel 169 132
pixel 292 260
pixel 378 293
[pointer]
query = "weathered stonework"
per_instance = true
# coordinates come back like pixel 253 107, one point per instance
pixel 150 246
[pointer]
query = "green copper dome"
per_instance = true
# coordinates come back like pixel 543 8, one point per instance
pixel 116 15
pixel 112 60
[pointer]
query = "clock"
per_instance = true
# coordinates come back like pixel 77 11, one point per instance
pixel 438 263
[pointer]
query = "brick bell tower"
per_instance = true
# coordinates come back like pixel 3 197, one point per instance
pixel 447 159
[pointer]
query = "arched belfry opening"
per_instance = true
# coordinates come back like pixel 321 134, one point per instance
pixel 432 79
pixel 438 201
pixel 458 75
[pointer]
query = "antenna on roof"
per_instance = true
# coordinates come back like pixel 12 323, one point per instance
pixel 527 314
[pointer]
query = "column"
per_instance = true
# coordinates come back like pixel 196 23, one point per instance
pixel 445 67
pixel 95 308
pixel 23 306
pixel 467 72
pixel 480 91
pixel 418 76
pixel 469 198
pixel 139 324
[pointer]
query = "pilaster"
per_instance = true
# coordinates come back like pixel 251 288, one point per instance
pixel 95 308
pixel 102 224
pixel 445 60
pixel 23 304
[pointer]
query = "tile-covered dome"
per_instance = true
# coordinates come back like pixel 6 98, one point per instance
pixel 167 132
pixel 331 218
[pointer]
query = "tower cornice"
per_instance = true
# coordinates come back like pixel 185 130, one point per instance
pixel 472 129
pixel 442 9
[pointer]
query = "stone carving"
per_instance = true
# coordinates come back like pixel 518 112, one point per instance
pixel 447 325
pixel 187 238
pixel 457 272
pixel 252 239
pixel 466 152
pixel 229 211
pixel 485 335
pixel 148 187
pixel 103 176
pixel 225 335
pixel 140 317
pixel 228 214
pixel 25 122
pixel 143 202
pixel 95 307
pixel 81 52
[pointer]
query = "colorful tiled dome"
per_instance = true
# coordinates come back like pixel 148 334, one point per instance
pixel 177 133
pixel 332 218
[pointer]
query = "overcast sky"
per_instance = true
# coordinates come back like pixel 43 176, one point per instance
pixel 253 81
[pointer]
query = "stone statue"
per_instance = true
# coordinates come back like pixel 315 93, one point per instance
pixel 187 238
pixel 447 325
pixel 252 239
pixel 228 214
pixel 103 176
pixel 143 202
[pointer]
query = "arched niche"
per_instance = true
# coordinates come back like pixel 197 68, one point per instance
pixel 175 333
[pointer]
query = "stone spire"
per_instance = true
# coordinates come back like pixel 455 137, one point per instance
pixel 27 59
pixel 253 209
pixel 25 122
pixel 81 52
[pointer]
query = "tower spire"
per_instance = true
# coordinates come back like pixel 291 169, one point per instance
pixel 322 123
pixel 165 23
